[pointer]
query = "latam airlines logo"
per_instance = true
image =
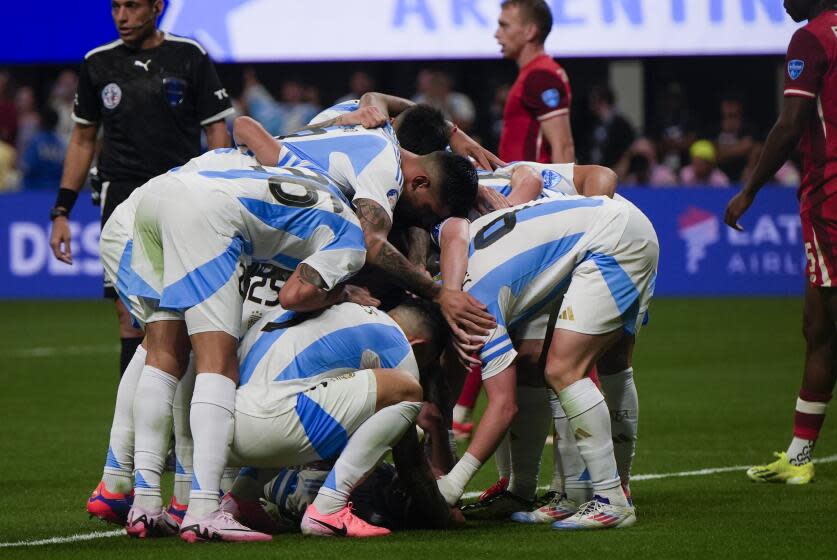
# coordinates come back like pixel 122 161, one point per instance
pixel 699 229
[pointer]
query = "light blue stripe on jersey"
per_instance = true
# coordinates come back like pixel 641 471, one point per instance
pixel 260 348
pixel 363 148
pixel 325 433
pixel 345 348
pixel 554 206
pixel 203 281
pixel 621 288
pixel 303 222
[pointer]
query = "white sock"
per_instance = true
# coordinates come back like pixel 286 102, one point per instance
pixel 461 414
pixel 502 457
pixel 183 445
pixel 211 419
pixel 119 464
pixel 527 435
pixel 622 401
pixel 590 421
pixel 453 484
pixel 569 471
pixel 365 449
pixel 800 451
pixel 152 422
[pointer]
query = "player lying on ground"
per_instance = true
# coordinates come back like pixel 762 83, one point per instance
pixel 601 255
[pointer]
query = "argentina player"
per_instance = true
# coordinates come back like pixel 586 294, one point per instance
pixel 601 255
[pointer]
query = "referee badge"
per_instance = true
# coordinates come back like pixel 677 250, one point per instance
pixel 111 95
pixel 175 90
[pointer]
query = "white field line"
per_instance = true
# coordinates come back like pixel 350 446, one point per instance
pixel 49 351
pixel 658 476
pixel 64 540
pixel 467 495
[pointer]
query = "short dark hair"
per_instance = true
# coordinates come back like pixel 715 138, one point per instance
pixel 422 129
pixel 428 319
pixel 534 11
pixel 458 181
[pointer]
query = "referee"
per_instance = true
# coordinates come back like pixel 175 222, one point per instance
pixel 152 92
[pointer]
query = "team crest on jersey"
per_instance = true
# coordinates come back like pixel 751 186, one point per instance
pixel 551 97
pixel 795 68
pixel 175 90
pixel 392 197
pixel 111 96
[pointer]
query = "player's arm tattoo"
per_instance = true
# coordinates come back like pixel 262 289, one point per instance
pixel 418 246
pixel 382 255
pixel 310 276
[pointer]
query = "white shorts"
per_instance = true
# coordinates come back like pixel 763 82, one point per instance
pixel 613 289
pixel 318 425
pixel 185 265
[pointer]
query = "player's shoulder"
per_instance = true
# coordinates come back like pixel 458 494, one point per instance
pixel 820 28
pixel 184 45
pixel 104 51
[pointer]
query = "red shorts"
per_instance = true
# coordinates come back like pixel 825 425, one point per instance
pixel 819 233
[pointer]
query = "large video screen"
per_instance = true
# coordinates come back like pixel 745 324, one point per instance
pixel 296 30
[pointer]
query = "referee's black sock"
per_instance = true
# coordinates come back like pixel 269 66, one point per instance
pixel 129 346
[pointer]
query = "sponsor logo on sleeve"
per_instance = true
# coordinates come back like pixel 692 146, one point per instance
pixel 111 96
pixel 795 68
pixel 551 97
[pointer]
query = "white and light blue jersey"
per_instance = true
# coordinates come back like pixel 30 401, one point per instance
pixel 557 178
pixel 522 258
pixel 335 111
pixel 282 216
pixel 280 357
pixel 364 163
pixel 218 160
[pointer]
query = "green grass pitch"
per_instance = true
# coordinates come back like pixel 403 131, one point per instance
pixel 717 381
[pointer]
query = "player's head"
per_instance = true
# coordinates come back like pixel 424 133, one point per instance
pixel 424 327
pixel 522 22
pixel 421 129
pixel 135 20
pixel 800 10
pixel 436 186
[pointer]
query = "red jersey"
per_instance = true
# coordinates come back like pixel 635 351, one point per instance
pixel 811 71
pixel 541 91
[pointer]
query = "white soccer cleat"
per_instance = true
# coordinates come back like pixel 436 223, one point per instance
pixel 598 513
pixel 555 507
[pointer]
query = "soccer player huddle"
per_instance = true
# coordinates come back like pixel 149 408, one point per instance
pixel 298 328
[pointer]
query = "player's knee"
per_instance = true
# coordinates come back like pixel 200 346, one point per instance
pixel 505 410
pixel 817 329
pixel 562 375
pixel 395 386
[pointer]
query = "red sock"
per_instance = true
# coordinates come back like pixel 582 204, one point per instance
pixel 810 414
pixel 594 376
pixel 471 389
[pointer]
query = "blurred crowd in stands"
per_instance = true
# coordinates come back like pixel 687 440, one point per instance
pixel 674 148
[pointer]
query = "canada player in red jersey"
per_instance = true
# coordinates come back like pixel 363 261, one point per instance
pixel 809 120
pixel 536 118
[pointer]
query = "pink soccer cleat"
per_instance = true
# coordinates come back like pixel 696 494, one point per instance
pixel 218 526
pixel 109 506
pixel 344 523
pixel 143 524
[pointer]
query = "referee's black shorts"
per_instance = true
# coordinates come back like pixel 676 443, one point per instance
pixel 115 193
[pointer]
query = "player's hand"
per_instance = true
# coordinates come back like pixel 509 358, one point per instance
pixel 464 145
pixel 60 239
pixel 367 117
pixel 489 200
pixel 736 208
pixel 360 296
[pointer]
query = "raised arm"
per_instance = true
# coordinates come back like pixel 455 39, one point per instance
pixel 390 105
pixel 248 133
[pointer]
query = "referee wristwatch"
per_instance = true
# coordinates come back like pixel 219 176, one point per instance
pixel 57 212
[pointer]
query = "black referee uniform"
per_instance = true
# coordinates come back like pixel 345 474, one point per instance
pixel 152 105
